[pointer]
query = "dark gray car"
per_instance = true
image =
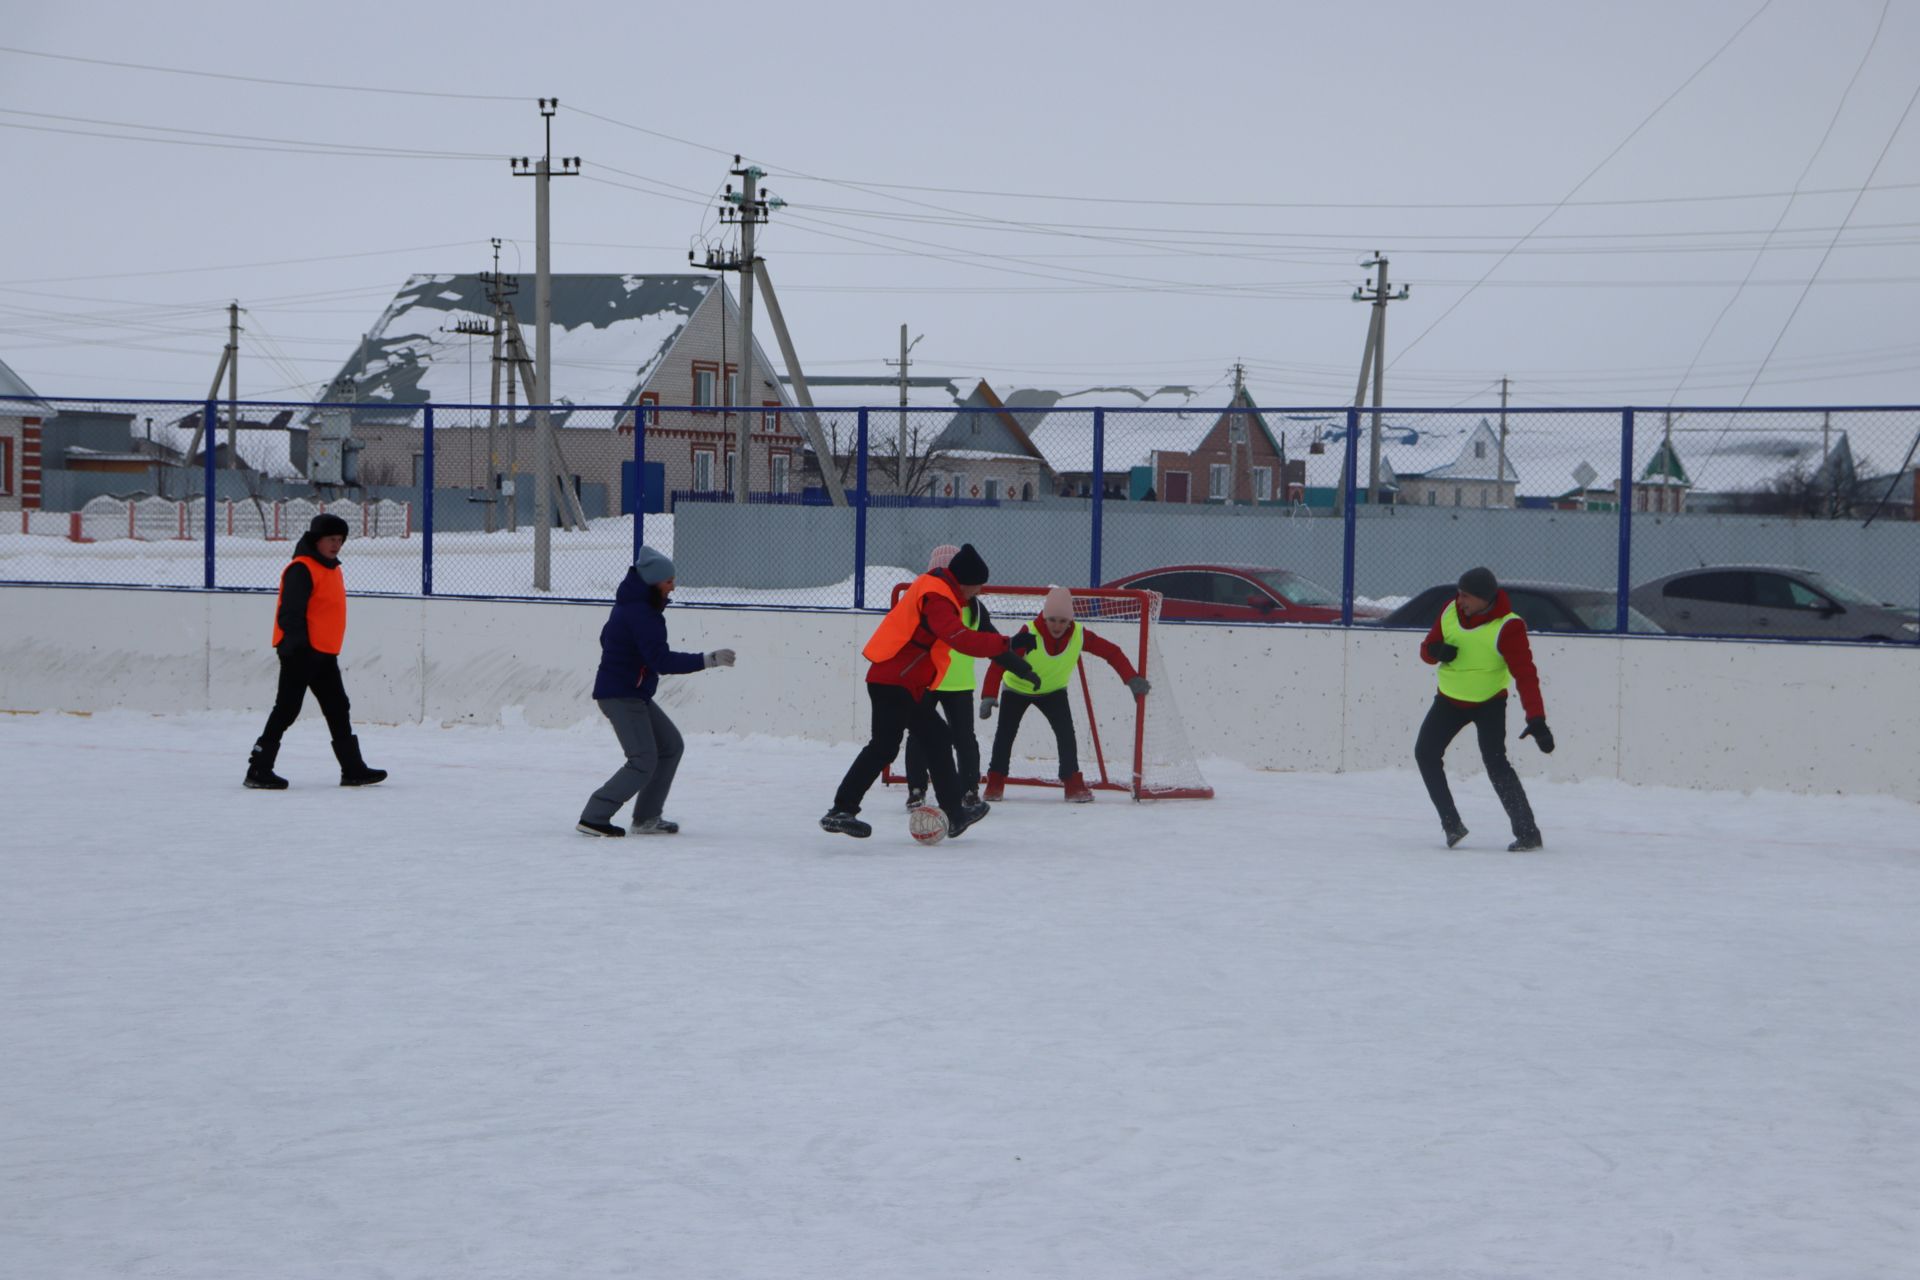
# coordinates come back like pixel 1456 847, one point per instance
pixel 1770 600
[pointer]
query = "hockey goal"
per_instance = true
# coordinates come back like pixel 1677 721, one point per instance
pixel 1135 745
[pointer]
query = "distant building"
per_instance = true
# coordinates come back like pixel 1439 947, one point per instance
pixel 1425 468
pixel 626 341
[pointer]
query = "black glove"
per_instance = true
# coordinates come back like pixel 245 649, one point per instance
pixel 1538 731
pixel 298 652
pixel 1138 686
pixel 1441 651
pixel 1023 642
pixel 1020 667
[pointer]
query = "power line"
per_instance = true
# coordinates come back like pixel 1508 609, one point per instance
pixel 1575 189
pixel 1787 208
pixel 275 81
pixel 233 266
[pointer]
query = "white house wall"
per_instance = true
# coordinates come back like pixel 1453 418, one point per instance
pixel 1667 711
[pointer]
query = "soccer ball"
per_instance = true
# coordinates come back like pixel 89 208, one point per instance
pixel 928 825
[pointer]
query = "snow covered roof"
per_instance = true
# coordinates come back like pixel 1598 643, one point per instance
pixel 1060 424
pixel 12 384
pixel 610 333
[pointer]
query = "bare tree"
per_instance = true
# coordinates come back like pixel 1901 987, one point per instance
pixel 914 478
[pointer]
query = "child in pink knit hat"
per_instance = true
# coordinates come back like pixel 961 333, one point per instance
pixel 1054 660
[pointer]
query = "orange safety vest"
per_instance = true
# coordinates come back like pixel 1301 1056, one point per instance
pixel 326 607
pixel 902 627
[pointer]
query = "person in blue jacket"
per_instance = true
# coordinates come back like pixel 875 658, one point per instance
pixel 633 657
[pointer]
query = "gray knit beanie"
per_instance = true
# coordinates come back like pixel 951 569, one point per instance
pixel 652 567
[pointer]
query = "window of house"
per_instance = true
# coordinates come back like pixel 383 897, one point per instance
pixel 1479 448
pixel 1433 497
pixel 1263 484
pixel 651 397
pixel 782 468
pixel 703 470
pixel 733 386
pixel 1459 498
pixel 1026 492
pixel 6 467
pixel 769 417
pixel 990 489
pixel 1217 480
pixel 706 380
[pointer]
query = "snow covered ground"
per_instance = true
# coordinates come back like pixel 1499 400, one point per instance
pixel 424 1030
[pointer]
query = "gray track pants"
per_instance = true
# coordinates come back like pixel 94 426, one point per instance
pixel 653 748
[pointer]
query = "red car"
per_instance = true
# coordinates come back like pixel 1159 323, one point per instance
pixel 1239 593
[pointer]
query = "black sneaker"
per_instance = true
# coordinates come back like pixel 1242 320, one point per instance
pixel 586 828
pixel 1455 835
pixel 1527 843
pixel 973 796
pixel 842 823
pixel 654 827
pixel 969 815
pixel 916 797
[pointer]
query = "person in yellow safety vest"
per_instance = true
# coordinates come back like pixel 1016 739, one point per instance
pixel 953 698
pixel 1061 642
pixel 309 630
pixel 1480 646
pixel 909 653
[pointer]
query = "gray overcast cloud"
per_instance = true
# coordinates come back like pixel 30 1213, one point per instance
pixel 1055 195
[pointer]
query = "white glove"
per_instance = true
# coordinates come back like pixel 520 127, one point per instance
pixel 720 658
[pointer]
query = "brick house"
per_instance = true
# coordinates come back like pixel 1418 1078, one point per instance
pixel 22 419
pixel 620 342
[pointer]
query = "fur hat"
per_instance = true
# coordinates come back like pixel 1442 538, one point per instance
pixel 652 567
pixel 1480 583
pixel 1058 604
pixel 942 556
pixel 967 568
pixel 328 525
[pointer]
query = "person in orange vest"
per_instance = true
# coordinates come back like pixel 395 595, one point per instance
pixel 953 697
pixel 309 626
pixel 1062 640
pixel 909 653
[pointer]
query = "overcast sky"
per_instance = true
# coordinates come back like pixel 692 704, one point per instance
pixel 1228 167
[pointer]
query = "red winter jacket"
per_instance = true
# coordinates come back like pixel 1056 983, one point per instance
pixel 912 668
pixel 1513 647
pixel 1098 646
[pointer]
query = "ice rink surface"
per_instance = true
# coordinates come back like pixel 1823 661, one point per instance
pixel 425 1030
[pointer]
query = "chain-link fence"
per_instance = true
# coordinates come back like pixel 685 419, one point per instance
pixel 1786 523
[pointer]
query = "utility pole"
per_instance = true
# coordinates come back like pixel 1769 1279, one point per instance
pixel 900 448
pixel 1377 348
pixel 540 172
pixel 499 289
pixel 1500 470
pixel 749 211
pixel 1237 439
pixel 233 384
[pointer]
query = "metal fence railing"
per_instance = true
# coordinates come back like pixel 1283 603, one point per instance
pixel 1790 523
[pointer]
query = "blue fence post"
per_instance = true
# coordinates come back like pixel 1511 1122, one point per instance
pixel 426 507
pixel 1350 481
pixel 210 422
pixel 639 480
pixel 860 518
pixel 1624 492
pixel 1099 484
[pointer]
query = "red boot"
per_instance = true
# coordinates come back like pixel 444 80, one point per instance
pixel 1077 790
pixel 996 788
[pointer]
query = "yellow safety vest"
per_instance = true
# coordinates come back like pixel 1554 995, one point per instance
pixel 1478 673
pixel 960 665
pixel 1054 669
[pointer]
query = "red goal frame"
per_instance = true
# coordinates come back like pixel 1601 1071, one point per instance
pixel 1129 778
